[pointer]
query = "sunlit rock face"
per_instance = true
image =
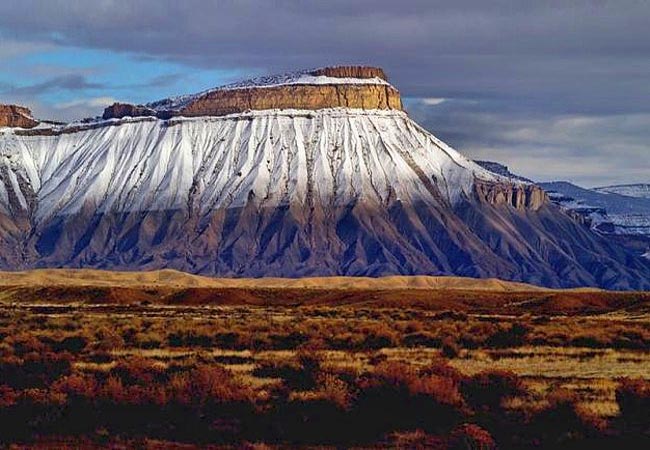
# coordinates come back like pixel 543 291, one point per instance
pixel 356 87
pixel 16 116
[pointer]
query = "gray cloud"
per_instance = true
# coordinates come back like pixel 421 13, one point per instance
pixel 566 56
pixel 585 149
pixel 513 70
pixel 71 82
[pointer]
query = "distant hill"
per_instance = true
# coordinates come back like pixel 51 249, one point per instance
pixel 176 279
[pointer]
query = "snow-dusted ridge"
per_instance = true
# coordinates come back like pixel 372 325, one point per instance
pixel 639 190
pixel 608 212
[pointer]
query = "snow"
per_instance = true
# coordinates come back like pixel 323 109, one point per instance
pixel 631 223
pixel 646 254
pixel 272 157
pixel 628 215
pixel 631 190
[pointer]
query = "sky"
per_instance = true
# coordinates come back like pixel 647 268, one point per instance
pixel 556 90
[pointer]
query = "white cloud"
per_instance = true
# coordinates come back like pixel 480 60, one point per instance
pixel 432 101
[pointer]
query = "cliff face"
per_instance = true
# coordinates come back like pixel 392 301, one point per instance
pixel 119 110
pixel 343 87
pixel 519 196
pixel 220 103
pixel 16 116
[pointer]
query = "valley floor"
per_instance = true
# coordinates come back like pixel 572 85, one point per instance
pixel 266 368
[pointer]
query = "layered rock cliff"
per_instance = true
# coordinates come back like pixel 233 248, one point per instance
pixel 356 87
pixel 16 117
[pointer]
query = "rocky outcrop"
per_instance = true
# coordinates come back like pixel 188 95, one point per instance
pixel 220 102
pixel 16 117
pixel 119 110
pixel 518 195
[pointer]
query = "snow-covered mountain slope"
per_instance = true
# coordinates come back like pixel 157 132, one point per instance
pixel 269 158
pixel 640 190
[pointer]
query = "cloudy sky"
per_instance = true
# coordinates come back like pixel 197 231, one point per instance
pixel 553 89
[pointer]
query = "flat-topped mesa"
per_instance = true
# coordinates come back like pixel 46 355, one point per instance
pixel 356 87
pixel 15 116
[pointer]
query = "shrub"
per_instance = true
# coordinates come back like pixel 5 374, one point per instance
pixel 138 370
pixel 450 348
pixel 378 336
pixel 204 384
pixel 633 397
pixel 72 344
pixel 559 423
pixel 149 340
pixel 228 340
pixel 486 390
pixel 34 369
pixel 421 339
pixel 297 375
pixel 7 396
pixel 79 385
pixel 335 390
pixel 113 390
pixel 27 343
pixel 441 389
pixel 509 336
pixel 190 338
pixel 417 439
pixel 441 367
pixel 108 339
pixel 416 400
pixel 469 436
pixel 285 341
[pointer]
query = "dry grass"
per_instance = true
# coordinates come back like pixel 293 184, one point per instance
pixel 381 375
